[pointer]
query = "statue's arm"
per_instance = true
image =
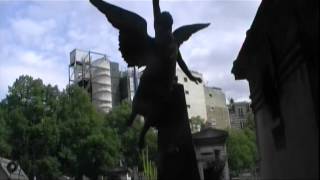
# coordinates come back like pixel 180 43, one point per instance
pixel 156 9
pixel 185 69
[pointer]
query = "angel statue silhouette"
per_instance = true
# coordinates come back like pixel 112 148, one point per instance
pixel 159 56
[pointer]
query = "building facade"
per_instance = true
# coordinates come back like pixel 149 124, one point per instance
pixel 216 107
pixel 102 79
pixel 115 83
pixel 129 83
pixel 195 97
pixel 208 103
pixel 239 112
pixel 91 70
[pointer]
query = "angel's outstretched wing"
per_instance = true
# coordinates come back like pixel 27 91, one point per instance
pixel 134 43
pixel 183 33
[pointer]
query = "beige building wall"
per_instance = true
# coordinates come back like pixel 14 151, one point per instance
pixel 216 107
pixel 194 93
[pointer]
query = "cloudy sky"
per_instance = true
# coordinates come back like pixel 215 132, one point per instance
pixel 37 36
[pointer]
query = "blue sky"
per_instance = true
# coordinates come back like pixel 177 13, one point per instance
pixel 37 36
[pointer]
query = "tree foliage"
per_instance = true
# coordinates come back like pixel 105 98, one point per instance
pixel 85 147
pixel 250 124
pixel 5 147
pixel 29 110
pixel 53 133
pixel 241 149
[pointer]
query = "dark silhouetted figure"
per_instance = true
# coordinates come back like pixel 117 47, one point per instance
pixel 159 55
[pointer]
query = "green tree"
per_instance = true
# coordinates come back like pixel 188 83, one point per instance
pixel 5 148
pixel 250 124
pixel 52 133
pixel 49 168
pixel 86 147
pixel 31 122
pixel 241 149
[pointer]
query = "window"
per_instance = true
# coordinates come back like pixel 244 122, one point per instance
pixel 240 112
pixel 188 105
pixel 241 124
pixel 211 108
pixel 185 79
pixel 187 92
pixel 206 153
pixel 210 95
pixel 198 127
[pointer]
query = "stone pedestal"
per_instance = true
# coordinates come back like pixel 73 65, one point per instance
pixel 176 151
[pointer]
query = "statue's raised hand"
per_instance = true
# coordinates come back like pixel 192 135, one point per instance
pixel 196 79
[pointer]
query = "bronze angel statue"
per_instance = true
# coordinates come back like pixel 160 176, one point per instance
pixel 159 55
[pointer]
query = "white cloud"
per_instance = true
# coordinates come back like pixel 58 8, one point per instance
pixel 29 31
pixel 38 37
pixel 32 59
pixel 27 27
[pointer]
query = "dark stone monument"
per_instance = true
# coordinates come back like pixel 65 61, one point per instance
pixel 159 99
pixel 280 60
pixel 211 153
pixel 176 151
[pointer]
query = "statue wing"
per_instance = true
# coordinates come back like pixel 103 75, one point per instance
pixel 134 42
pixel 183 33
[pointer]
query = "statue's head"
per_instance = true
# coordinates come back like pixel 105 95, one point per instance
pixel 166 20
pixel 165 26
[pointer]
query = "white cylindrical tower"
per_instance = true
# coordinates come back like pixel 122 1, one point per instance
pixel 101 84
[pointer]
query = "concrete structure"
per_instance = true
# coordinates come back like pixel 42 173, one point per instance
pixel 101 85
pixel 129 83
pixel 105 83
pixel 239 112
pixel 194 93
pixel 93 72
pixel 280 59
pixel 115 83
pixel 209 142
pixel 18 174
pixel 216 107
